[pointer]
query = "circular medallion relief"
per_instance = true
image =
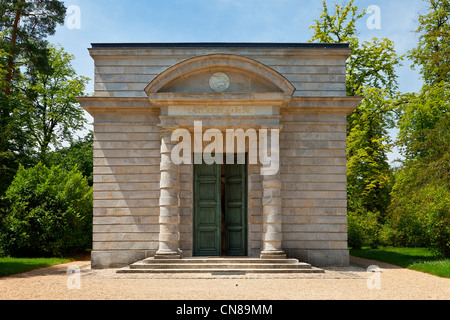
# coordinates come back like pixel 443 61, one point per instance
pixel 219 82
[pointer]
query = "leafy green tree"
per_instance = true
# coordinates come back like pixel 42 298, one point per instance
pixel 419 214
pixel 371 64
pixel 49 213
pixel 339 27
pixel 417 114
pixel 432 53
pixel 370 73
pixel 13 141
pixel 78 155
pixel 369 174
pixel 27 23
pixel 52 113
pixel 24 25
pixel 7 160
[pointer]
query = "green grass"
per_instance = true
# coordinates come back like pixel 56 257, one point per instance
pixel 419 259
pixel 10 266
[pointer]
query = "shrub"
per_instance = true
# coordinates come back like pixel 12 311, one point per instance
pixel 48 213
pixel 420 210
pixel 438 223
pixel 363 229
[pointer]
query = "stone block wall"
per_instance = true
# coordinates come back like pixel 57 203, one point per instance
pixel 126 188
pixel 314 188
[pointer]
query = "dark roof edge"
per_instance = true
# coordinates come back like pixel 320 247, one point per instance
pixel 219 45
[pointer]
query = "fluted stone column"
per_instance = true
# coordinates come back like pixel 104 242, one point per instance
pixel 169 214
pixel 271 201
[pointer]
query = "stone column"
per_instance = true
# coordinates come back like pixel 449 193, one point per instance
pixel 169 210
pixel 271 201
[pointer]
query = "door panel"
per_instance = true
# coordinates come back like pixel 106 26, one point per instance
pixel 235 210
pixel 207 219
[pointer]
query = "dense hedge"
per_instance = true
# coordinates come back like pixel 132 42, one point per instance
pixel 46 212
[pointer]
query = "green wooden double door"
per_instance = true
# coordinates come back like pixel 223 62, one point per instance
pixel 220 210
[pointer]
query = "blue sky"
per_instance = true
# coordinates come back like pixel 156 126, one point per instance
pixel 226 21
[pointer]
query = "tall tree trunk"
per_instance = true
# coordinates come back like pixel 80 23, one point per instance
pixel 9 75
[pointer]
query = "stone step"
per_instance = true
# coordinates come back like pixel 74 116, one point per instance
pixel 221 271
pixel 221 266
pixel 218 260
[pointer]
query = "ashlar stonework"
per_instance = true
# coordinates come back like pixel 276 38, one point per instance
pixel 145 205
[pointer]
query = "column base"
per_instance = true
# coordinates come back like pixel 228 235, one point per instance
pixel 168 254
pixel 272 255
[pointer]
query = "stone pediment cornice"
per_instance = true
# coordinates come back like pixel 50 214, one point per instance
pixel 258 77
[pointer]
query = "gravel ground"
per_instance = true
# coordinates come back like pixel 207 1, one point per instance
pixel 352 283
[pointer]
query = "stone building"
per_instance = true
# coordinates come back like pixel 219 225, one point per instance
pixel 145 205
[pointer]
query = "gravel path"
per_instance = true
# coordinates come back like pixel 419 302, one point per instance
pixel 394 283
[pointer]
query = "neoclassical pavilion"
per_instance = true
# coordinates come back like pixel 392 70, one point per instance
pixel 146 205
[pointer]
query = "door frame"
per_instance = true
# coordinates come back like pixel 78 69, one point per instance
pixel 245 220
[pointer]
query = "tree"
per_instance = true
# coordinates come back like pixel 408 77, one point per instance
pixel 417 114
pixel 371 64
pixel 432 53
pixel 369 174
pixel 419 213
pixel 24 24
pixel 7 161
pixel 78 155
pixel 52 113
pixel 371 73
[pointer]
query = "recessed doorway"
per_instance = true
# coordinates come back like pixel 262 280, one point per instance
pixel 220 210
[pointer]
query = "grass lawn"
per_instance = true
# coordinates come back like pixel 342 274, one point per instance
pixel 420 259
pixel 10 266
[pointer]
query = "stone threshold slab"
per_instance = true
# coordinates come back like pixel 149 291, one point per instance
pixel 220 271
